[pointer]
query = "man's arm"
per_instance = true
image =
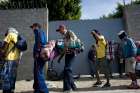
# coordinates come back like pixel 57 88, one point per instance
pixel 11 37
pixel 43 38
pixel 98 37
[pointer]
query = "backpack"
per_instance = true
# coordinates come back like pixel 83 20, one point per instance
pixel 91 55
pixel 75 42
pixel 133 49
pixel 21 43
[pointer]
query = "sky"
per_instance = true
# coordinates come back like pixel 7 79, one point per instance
pixel 94 9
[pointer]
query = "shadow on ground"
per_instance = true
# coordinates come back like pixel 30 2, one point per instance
pixel 93 88
pixel 86 89
pixel 102 77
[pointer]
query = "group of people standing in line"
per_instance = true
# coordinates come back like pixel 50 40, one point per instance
pixel 11 55
pixel 113 56
pixel 103 53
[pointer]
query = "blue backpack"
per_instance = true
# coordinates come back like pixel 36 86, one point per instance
pixel 21 43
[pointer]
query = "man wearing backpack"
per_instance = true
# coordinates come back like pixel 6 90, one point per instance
pixel 40 43
pixel 69 36
pixel 101 63
pixel 129 51
pixel 11 59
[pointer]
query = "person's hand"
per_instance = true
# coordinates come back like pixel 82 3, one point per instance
pixel 93 33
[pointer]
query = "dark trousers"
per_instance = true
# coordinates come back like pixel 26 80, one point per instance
pixel 68 82
pixel 101 65
pixel 109 65
pixel 39 79
pixel 92 68
pixel 121 66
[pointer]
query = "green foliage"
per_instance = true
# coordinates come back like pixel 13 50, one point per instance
pixel 64 9
pixel 119 10
pixel 58 9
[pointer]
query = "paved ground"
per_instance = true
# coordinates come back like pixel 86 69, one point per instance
pixel 84 86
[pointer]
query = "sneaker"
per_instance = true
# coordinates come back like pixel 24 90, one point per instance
pixel 106 85
pixel 97 83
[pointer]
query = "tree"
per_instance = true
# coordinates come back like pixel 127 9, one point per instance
pixel 58 9
pixel 64 9
pixel 119 10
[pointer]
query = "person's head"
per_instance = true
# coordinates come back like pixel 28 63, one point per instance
pixel 11 30
pixel 35 26
pixel 122 35
pixel 61 29
pixel 93 46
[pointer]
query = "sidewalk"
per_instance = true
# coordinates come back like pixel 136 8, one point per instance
pixel 84 86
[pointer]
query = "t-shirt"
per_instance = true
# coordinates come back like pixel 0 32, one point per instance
pixel 129 48
pixel 101 47
pixel 14 53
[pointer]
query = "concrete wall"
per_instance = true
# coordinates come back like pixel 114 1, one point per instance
pixel 109 28
pixel 22 19
pixel 132 14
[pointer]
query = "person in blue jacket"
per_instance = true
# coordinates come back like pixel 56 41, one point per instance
pixel 40 42
pixel 129 51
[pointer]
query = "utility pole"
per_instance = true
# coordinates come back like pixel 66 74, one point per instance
pixel 124 3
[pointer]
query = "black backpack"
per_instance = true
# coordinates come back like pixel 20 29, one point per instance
pixel 91 55
pixel 21 43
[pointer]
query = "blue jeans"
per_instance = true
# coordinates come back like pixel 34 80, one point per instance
pixel 9 74
pixel 68 81
pixel 39 79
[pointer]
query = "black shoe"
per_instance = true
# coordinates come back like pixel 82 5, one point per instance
pixel 111 77
pixel 106 85
pixel 97 83
pixel 8 91
pixel 121 76
pixel 74 89
pixel 92 76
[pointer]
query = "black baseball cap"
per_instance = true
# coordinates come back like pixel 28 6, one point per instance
pixel 35 25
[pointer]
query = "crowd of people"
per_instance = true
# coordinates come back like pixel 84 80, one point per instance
pixel 101 56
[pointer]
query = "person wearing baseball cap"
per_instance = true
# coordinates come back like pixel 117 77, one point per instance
pixel 68 81
pixel 129 51
pixel 40 42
